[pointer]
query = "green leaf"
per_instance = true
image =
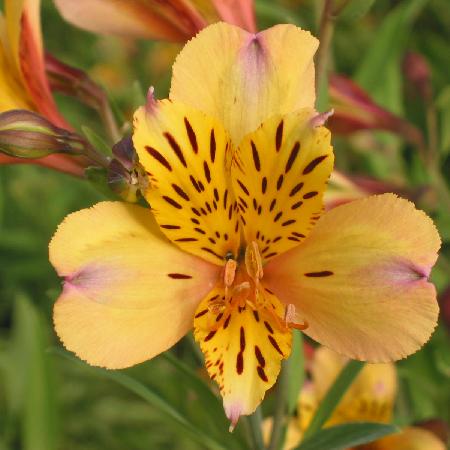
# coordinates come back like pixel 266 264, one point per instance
pixel 443 106
pixel 355 9
pixel 388 43
pixel 213 416
pixel 137 95
pixel 333 397
pixel 155 400
pixel 30 380
pixel 345 436
pixel 96 141
pixel 296 370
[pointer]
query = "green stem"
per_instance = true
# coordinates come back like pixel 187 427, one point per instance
pixel 280 407
pixel 109 120
pixel 325 35
pixel 255 425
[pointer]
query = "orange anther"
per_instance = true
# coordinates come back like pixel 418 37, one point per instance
pixel 253 262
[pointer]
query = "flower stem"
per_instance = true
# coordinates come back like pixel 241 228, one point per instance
pixel 255 425
pixel 280 407
pixel 109 120
pixel 325 35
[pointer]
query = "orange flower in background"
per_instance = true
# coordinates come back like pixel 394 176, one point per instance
pixel 171 20
pixel 236 244
pixel 23 81
pixel 370 398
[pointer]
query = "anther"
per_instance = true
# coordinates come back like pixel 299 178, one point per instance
pixel 253 262
pixel 229 275
pixel 290 318
pixel 230 272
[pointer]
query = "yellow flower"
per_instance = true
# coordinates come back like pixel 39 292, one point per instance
pixel 237 245
pixel 370 398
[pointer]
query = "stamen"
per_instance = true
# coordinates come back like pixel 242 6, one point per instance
pixel 253 262
pixel 229 275
pixel 290 316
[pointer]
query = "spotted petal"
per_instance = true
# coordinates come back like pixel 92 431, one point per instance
pixel 243 347
pixel 184 152
pixel 252 77
pixel 360 279
pixel 128 293
pixel 279 175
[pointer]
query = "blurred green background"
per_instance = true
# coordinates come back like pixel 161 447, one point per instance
pixel 49 402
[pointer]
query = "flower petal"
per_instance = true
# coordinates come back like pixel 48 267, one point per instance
pixel 360 279
pixel 243 347
pixel 129 294
pixel 411 438
pixel 279 175
pixel 243 79
pixel 184 152
pixel 237 12
pixel 173 20
pixel 25 41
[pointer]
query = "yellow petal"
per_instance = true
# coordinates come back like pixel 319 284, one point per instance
pixel 14 95
pixel 370 397
pixel 243 346
pixel 307 404
pixel 173 21
pixel 360 279
pixel 279 175
pixel 128 294
pixel 184 153
pixel 243 79
pixel 411 438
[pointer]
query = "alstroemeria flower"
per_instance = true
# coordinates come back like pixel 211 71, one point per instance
pixel 171 20
pixel 23 80
pixel 370 398
pixel 235 244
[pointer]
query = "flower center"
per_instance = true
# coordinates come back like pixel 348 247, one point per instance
pixel 242 280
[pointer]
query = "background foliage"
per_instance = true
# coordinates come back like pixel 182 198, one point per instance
pixel 49 402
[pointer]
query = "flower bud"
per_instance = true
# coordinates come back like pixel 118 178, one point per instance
pixel 25 134
pixel 126 177
pixel 354 110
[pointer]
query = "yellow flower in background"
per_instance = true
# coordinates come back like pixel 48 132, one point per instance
pixel 236 244
pixel 370 398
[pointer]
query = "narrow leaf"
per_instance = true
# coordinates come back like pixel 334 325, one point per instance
pixel 96 141
pixel 32 379
pixel 154 399
pixel 388 42
pixel 333 397
pixel 356 9
pixel 296 371
pixel 346 436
